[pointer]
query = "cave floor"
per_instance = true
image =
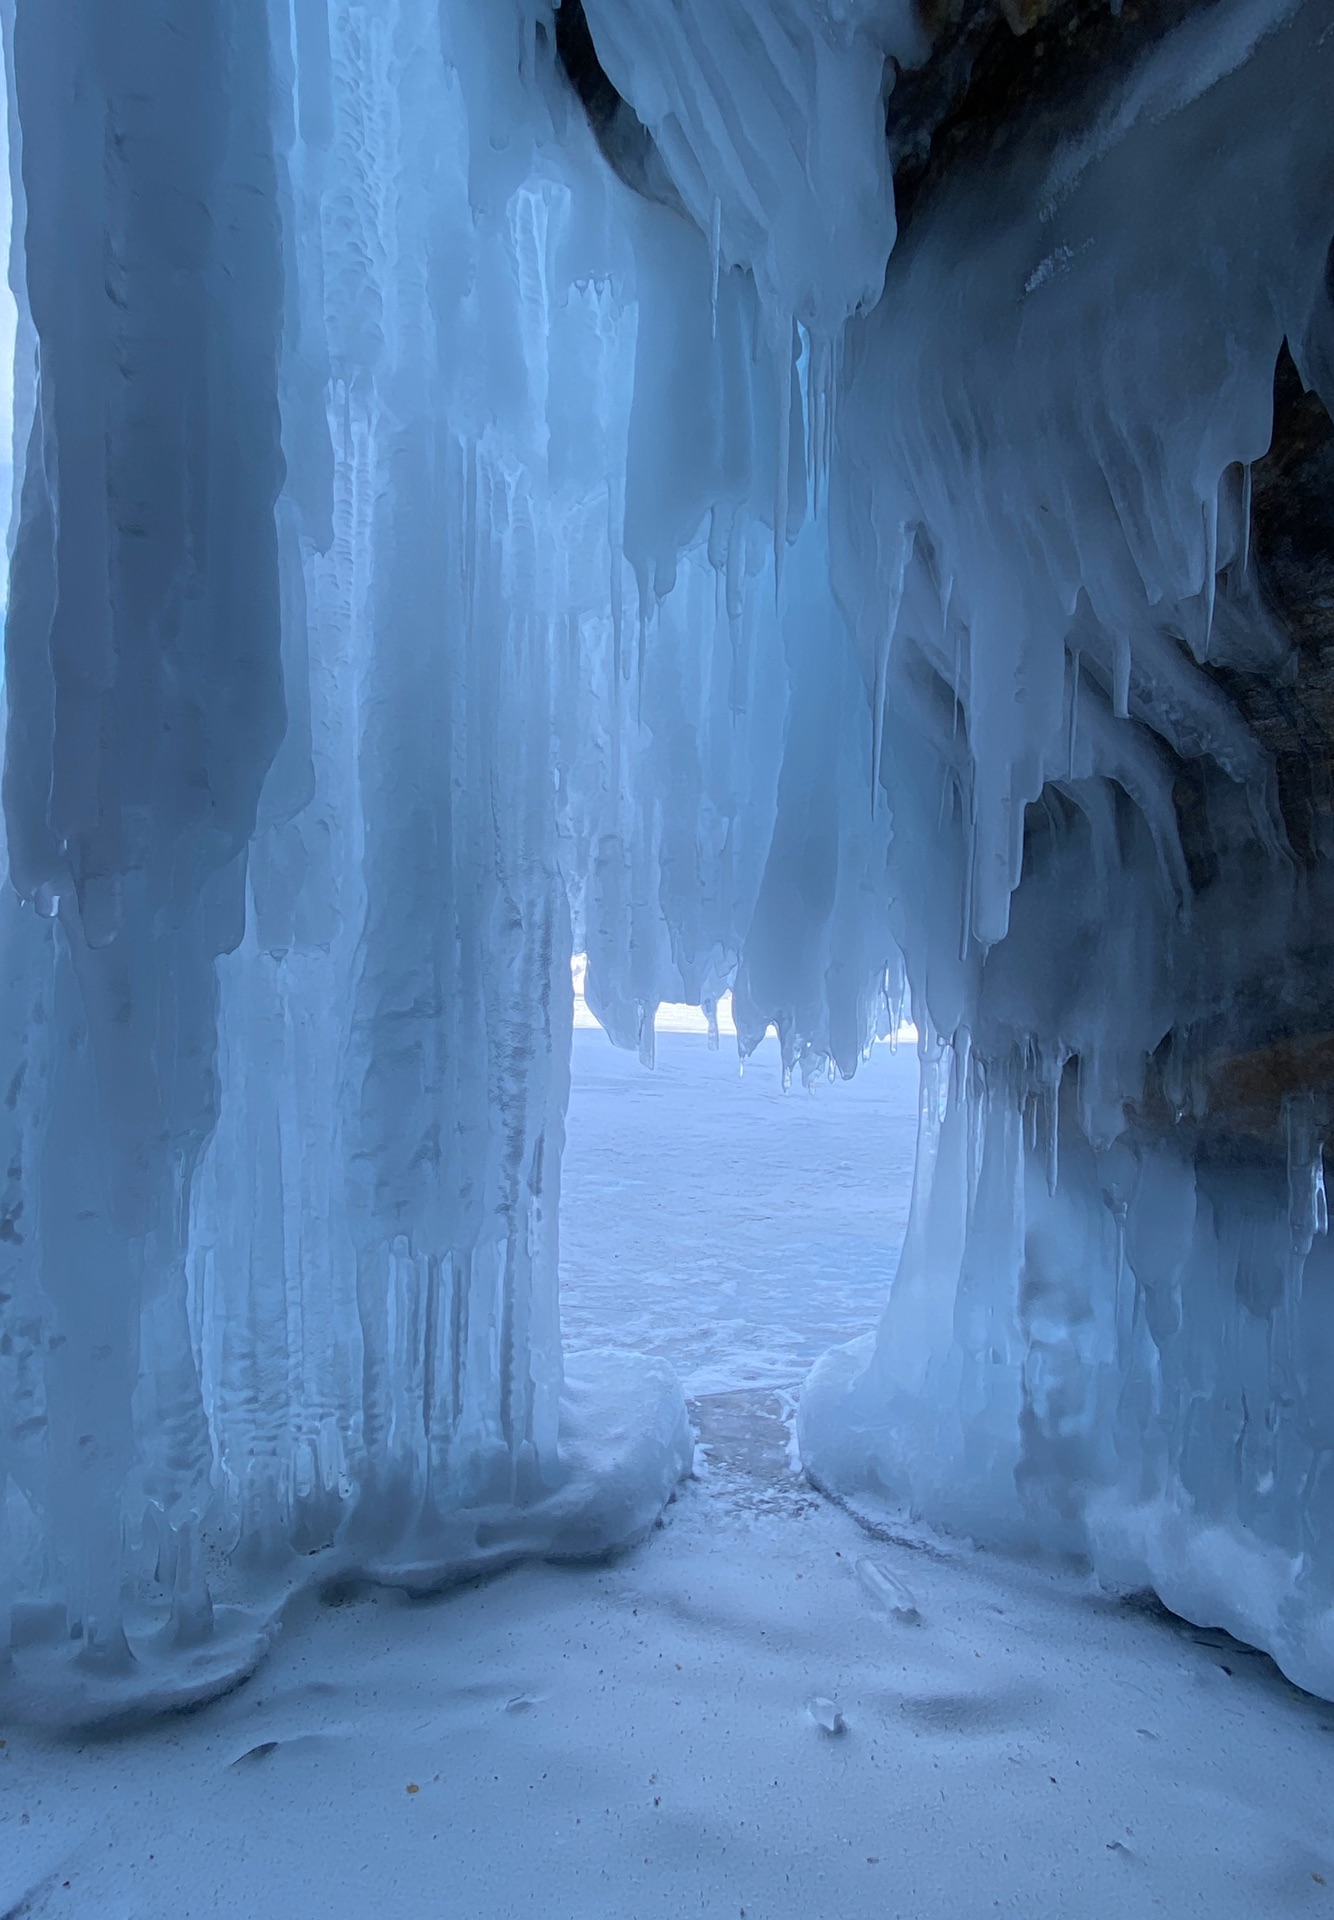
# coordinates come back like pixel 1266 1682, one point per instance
pixel 639 1739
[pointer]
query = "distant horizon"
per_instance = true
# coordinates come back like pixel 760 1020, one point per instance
pixel 682 1016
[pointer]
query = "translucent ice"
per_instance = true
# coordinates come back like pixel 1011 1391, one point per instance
pixel 887 1591
pixel 826 1715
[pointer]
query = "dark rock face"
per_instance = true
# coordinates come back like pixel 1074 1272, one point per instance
pixel 579 57
pixel 1258 951
pixel 1289 1048
pixel 999 67
pixel 1293 541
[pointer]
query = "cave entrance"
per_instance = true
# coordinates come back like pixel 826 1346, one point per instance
pixel 734 1230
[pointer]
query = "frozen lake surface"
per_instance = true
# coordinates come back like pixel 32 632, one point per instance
pixel 728 1721
pixel 735 1229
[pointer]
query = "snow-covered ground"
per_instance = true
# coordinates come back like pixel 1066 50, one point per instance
pixel 639 1739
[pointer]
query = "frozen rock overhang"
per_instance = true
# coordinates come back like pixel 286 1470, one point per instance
pixel 1080 494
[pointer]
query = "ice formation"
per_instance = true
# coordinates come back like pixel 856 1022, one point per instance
pixel 464 517
pixel 337 676
pixel 1110 1328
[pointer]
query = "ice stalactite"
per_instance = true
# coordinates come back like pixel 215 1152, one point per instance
pixel 769 123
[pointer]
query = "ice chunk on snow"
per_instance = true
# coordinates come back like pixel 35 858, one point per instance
pixel 887 1591
pixel 826 1715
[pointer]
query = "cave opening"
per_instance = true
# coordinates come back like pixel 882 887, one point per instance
pixel 729 1225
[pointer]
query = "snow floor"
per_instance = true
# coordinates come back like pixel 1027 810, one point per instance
pixel 638 1739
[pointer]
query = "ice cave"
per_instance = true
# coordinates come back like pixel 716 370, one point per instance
pixel 667 959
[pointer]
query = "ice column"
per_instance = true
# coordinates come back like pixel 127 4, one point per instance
pixel 144 706
pixel 302 585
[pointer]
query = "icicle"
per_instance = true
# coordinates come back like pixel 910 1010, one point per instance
pixel 1321 1199
pixel 887 1591
pixel 833 366
pixel 471 532
pixel 715 260
pixel 1124 1319
pixel 736 568
pixel 615 533
pixel 878 695
pixel 784 370
pixel 1121 675
pixel 646 616
pixel 1210 571
pixel 192 1608
pixel 1308 1209
pixel 710 1008
pixel 947 784
pixel 880 683
pixel 643 603
pixel 1246 519
pixel 977 1097
pixel 956 683
pixel 1075 665
pixel 648 1034
pixel 814 413
pixel 969 861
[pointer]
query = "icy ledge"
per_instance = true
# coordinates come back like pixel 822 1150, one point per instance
pixel 625 1444
pixel 879 1454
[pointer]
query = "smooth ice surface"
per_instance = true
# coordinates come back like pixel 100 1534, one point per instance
pixel 638 1740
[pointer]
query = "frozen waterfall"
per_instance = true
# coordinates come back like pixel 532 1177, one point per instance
pixel 496 481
